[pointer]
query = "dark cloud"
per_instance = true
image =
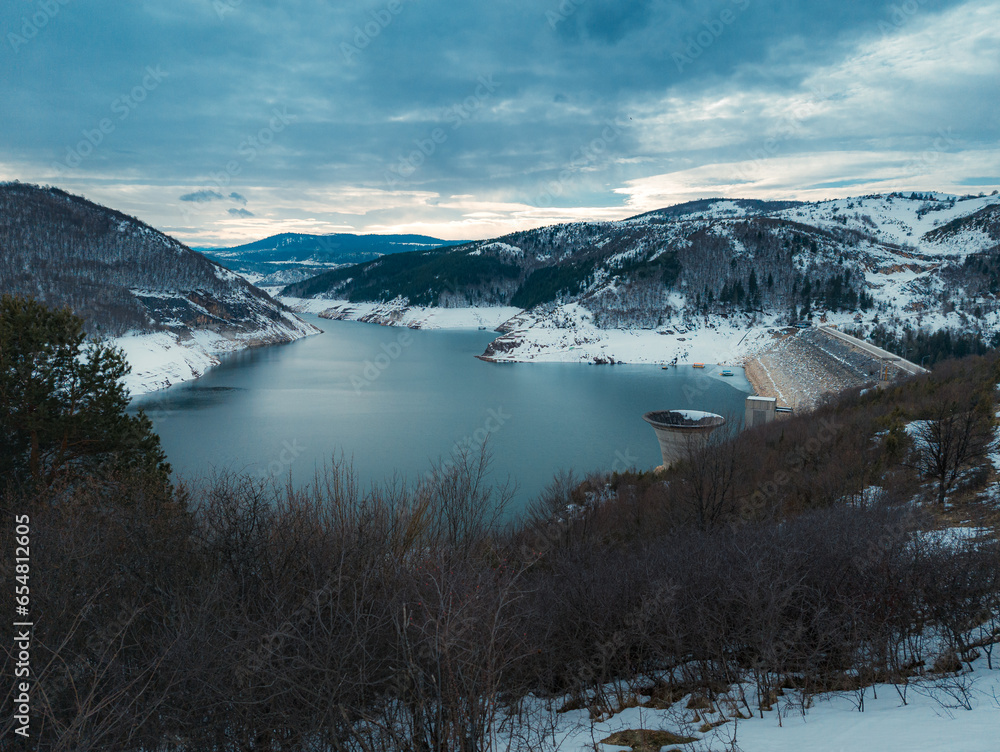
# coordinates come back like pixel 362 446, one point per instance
pixel 200 197
pixel 365 90
pixel 241 213
pixel 610 21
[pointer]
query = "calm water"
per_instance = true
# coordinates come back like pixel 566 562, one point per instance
pixel 422 393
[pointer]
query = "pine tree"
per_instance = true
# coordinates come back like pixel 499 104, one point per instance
pixel 63 404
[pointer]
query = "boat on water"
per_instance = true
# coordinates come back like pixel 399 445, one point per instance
pixel 697 365
pixel 726 372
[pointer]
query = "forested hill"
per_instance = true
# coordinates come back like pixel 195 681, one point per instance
pixel 293 257
pixel 121 275
pixel 911 255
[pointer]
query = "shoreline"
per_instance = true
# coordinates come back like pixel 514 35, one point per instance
pixel 567 333
pixel 158 360
pixel 796 367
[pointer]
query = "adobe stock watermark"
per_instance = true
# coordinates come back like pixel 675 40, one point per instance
pixel 694 394
pixel 375 367
pixel 796 462
pixel 624 462
pixel 920 163
pixel 565 9
pixel 122 107
pixel 634 623
pixel 899 15
pixel 223 8
pixel 289 453
pixel 457 115
pixel 247 152
pixel 696 44
pixel 270 645
pixel 586 156
pixel 327 244
pixel 45 11
pixel 366 34
pixel 251 146
pixel 495 420
pixel 787 127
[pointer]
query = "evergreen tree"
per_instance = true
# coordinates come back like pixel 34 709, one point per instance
pixel 62 402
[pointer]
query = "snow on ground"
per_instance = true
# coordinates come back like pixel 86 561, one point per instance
pixel 498 248
pixel 397 313
pixel 567 334
pixel 925 724
pixel 932 720
pixel 160 359
pixel 902 221
pixel 899 268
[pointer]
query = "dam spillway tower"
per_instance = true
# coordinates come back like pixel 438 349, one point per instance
pixel 682 431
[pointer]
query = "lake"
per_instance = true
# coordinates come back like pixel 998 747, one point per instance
pixel 399 400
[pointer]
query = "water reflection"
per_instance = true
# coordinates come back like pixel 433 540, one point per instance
pixel 290 408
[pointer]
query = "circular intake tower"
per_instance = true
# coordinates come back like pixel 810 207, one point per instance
pixel 681 431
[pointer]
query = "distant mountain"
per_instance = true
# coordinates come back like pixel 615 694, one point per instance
pixel 917 259
pixel 125 278
pixel 291 257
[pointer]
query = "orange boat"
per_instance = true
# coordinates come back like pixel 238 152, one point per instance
pixel 697 365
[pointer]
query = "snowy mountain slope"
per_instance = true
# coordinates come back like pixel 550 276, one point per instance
pixel 921 222
pixel 567 334
pixel 922 260
pixel 169 307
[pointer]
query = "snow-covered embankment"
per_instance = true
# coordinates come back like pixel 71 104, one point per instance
pixel 160 359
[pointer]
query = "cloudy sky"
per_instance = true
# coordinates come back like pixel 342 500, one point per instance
pixel 221 121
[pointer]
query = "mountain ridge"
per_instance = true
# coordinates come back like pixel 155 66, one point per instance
pixel 880 263
pixel 132 283
pixel 292 257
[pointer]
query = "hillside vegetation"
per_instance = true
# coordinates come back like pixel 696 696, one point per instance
pixel 909 263
pixel 797 559
pixel 117 273
pixel 293 257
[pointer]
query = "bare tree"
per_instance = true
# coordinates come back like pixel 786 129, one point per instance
pixel 957 437
pixel 710 476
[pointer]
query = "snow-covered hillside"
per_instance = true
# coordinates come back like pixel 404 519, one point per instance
pixel 399 313
pixel 704 281
pixel 908 222
pixel 171 309
pixel 566 333
pixel 160 359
